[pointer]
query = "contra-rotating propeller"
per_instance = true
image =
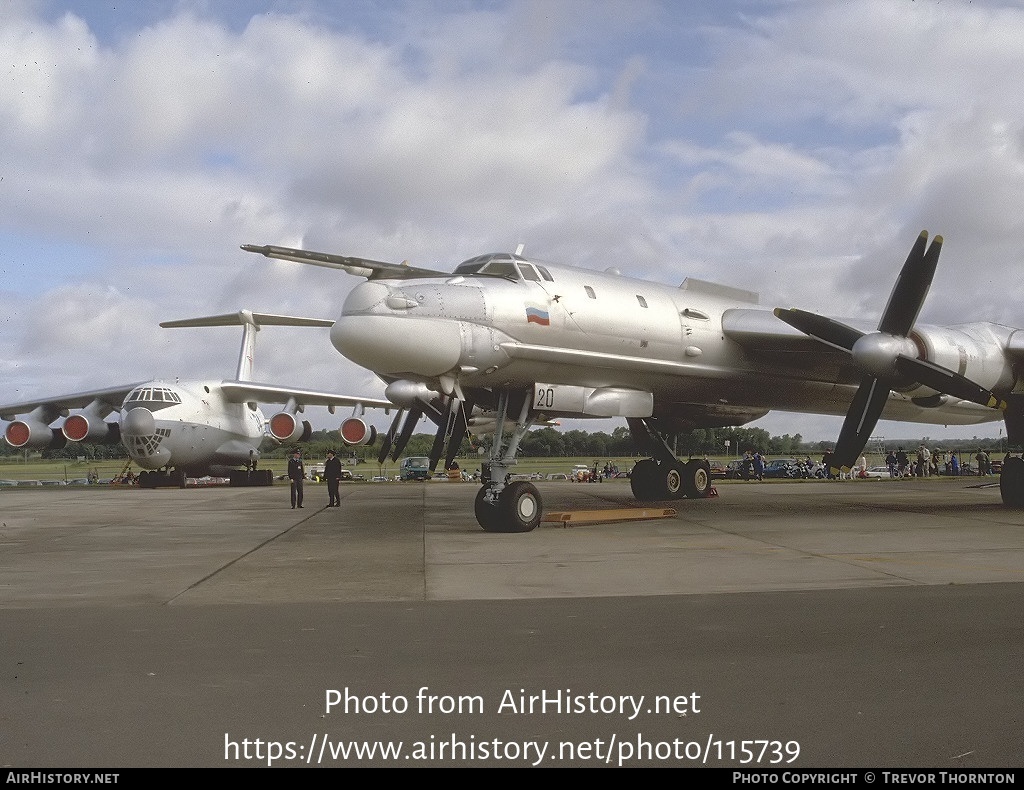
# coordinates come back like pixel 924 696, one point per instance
pixel 888 355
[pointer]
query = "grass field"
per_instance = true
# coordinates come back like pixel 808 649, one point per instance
pixel 36 469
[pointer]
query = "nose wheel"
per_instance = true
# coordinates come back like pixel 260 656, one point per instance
pixel 517 508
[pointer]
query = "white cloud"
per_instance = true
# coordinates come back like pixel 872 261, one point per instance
pixel 800 155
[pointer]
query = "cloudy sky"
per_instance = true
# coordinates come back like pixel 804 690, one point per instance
pixel 794 148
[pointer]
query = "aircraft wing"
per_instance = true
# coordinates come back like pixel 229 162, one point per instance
pixel 112 396
pixel 242 391
pixel 603 360
pixel 361 267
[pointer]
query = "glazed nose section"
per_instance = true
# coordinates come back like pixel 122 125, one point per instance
pixel 399 343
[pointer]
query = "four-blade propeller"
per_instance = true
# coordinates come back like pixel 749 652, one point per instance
pixel 888 356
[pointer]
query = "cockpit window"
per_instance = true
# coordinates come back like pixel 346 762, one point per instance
pixel 153 395
pixel 528 272
pixel 497 264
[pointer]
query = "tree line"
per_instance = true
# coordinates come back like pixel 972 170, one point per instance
pixel 548 442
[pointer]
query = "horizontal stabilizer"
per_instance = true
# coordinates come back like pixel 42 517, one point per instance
pixel 361 267
pixel 243 317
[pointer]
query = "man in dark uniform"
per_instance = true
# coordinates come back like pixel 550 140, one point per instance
pixel 332 472
pixel 296 473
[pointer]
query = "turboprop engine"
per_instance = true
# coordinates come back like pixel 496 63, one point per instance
pixel 974 351
pixel 286 427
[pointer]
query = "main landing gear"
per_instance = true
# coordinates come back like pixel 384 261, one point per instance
pixel 503 505
pixel 1011 482
pixel 663 476
pixel 655 480
pixel 162 479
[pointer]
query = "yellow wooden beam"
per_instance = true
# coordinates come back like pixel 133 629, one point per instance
pixel 572 517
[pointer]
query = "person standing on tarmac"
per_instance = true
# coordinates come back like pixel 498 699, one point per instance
pixel 332 473
pixel 296 473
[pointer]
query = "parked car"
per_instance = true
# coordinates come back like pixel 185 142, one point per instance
pixel 782 467
pixel 719 470
pixel 877 471
pixel 580 472
pixel 734 470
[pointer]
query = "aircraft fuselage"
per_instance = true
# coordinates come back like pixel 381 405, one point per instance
pixel 567 326
pixel 189 426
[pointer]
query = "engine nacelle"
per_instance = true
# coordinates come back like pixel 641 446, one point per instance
pixel 356 431
pixel 34 435
pixel 972 350
pixel 286 427
pixel 83 428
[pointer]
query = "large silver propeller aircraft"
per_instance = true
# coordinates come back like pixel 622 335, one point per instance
pixel 503 342
pixel 188 427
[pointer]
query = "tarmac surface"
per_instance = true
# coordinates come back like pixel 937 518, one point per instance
pixel 785 625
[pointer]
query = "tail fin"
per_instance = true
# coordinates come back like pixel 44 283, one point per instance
pixel 250 323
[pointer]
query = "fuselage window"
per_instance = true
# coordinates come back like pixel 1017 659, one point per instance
pixel 590 291
pixel 641 300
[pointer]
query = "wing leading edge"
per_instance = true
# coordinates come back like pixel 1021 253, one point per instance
pixel 111 396
pixel 243 391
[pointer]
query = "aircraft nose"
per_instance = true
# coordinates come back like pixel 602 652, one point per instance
pixel 138 422
pixel 399 344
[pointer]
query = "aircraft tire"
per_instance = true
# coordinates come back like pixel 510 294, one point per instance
pixel 673 479
pixel 177 478
pixel 146 480
pixel 644 480
pixel 487 515
pixel 696 479
pixel 1011 483
pixel 520 507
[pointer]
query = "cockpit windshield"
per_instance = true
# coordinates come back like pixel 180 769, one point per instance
pixel 151 394
pixel 501 264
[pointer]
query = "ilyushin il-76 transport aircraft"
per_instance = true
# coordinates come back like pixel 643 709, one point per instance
pixel 188 427
pixel 503 342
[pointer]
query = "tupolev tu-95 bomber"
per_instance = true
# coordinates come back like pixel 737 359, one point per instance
pixel 504 342
pixel 178 428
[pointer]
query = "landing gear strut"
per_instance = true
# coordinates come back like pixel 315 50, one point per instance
pixel 502 505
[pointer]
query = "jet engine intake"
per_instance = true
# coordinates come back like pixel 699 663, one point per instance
pixel 356 431
pixel 286 427
pixel 82 428
pixel 34 435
